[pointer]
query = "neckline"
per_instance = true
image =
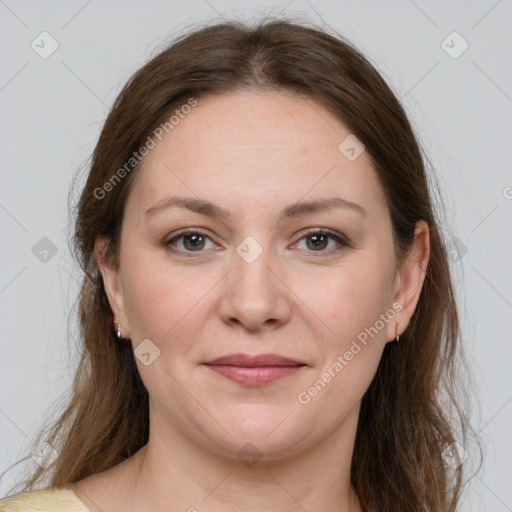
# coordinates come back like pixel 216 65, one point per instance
pixel 69 488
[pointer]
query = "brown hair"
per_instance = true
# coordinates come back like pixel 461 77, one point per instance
pixel 411 411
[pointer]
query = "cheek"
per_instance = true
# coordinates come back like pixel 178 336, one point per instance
pixel 157 298
pixel 352 298
pixel 351 306
pixel 168 304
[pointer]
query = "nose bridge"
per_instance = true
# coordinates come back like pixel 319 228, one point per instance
pixel 254 293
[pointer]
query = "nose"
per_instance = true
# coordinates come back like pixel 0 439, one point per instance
pixel 255 294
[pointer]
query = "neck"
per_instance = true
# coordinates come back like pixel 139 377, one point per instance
pixel 178 472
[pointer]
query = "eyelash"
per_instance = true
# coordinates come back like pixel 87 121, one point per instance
pixel 342 241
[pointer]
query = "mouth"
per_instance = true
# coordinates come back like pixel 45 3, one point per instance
pixel 255 370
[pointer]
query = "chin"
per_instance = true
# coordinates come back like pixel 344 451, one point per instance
pixel 268 438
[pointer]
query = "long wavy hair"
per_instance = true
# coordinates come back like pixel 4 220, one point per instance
pixel 416 407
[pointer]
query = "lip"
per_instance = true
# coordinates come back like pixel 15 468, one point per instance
pixel 255 370
pixel 256 361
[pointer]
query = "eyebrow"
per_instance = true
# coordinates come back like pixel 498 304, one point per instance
pixel 204 207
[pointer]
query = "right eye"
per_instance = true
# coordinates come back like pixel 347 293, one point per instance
pixel 193 241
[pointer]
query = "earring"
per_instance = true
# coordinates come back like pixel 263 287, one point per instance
pixel 118 332
pixel 396 332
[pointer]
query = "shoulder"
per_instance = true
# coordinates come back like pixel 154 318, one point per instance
pixel 48 500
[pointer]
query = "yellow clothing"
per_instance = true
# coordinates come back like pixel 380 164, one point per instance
pixel 44 500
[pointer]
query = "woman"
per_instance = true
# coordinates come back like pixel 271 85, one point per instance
pixel 267 311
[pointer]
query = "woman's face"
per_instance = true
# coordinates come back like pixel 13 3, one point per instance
pixel 258 278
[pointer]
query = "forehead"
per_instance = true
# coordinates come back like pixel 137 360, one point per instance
pixel 250 120
pixel 255 146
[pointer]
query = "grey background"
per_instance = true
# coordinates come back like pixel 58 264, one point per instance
pixel 52 111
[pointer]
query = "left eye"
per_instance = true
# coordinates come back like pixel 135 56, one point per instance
pixel 194 241
pixel 319 239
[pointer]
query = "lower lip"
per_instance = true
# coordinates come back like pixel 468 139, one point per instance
pixel 255 376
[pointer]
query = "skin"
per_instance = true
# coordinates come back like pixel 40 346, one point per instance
pixel 253 153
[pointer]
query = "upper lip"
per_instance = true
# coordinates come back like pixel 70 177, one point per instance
pixel 254 361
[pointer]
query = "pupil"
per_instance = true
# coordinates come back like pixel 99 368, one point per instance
pixel 316 240
pixel 197 241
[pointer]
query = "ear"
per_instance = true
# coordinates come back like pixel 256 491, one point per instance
pixel 409 280
pixel 112 283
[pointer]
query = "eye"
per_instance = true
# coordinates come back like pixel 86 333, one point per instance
pixel 320 238
pixel 193 240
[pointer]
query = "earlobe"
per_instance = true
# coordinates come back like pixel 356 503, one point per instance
pixel 411 276
pixel 111 281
